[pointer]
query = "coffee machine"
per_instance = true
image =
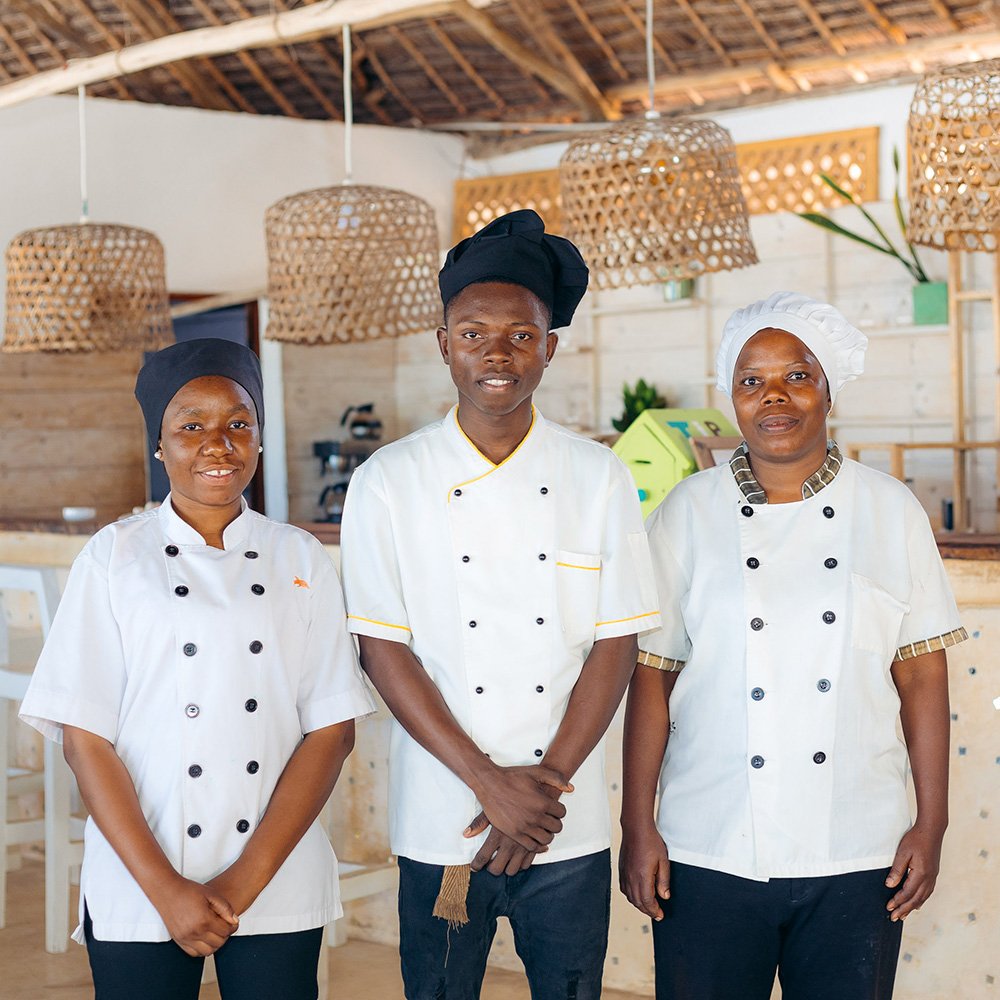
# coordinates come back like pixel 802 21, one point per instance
pixel 339 459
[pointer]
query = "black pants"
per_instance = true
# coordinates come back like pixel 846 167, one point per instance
pixel 559 914
pixel 723 937
pixel 251 967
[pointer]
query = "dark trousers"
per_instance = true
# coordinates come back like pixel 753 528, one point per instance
pixel 723 937
pixel 253 967
pixel 559 913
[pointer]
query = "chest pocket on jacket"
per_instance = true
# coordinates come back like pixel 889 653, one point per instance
pixel 876 616
pixel 578 577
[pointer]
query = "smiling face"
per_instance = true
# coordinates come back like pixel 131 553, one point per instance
pixel 209 439
pixel 781 398
pixel 497 343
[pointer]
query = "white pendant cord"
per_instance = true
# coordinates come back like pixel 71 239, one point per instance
pixel 81 94
pixel 651 111
pixel 348 106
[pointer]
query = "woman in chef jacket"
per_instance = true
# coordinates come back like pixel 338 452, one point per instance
pixel 202 681
pixel 805 609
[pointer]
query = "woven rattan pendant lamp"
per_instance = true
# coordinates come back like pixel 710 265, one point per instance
pixel 353 262
pixel 655 200
pixel 954 139
pixel 88 287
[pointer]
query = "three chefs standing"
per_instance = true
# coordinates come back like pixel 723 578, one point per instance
pixel 201 676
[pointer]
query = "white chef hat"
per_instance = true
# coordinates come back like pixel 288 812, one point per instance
pixel 838 345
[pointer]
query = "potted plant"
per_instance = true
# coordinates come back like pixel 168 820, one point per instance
pixel 930 298
pixel 643 397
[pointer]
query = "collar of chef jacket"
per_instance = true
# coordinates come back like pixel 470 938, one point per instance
pixel 178 531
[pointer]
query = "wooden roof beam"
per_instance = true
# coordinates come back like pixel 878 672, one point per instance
pixel 891 31
pixel 266 83
pixel 528 60
pixel 165 24
pixel 282 53
pixel 599 40
pixel 746 9
pixel 305 23
pixel 534 18
pixel 807 8
pixel 703 30
pixel 633 18
pixel 45 23
pixel 110 40
pixel 428 69
pixel 12 43
pixel 470 71
pixel 387 81
pixel 916 48
pixel 146 17
pixel 944 12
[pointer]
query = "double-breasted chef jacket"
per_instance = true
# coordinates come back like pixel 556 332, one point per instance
pixel 783 758
pixel 204 667
pixel 499 578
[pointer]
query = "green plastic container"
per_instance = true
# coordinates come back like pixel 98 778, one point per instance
pixel 930 303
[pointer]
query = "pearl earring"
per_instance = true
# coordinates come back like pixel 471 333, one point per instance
pixel 158 454
pixel 260 449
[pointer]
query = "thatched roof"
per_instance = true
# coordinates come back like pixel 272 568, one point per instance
pixel 511 60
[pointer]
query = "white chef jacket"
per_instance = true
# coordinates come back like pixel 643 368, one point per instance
pixel 783 758
pixel 500 578
pixel 204 667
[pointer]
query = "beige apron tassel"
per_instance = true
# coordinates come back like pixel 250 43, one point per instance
pixel 450 902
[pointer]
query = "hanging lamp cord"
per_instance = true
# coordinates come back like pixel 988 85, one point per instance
pixel 348 106
pixel 651 111
pixel 81 95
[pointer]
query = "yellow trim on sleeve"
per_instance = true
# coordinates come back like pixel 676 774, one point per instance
pixel 372 621
pixel 494 465
pixel 618 621
pixel 593 569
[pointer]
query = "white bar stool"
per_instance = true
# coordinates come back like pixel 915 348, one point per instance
pixel 19 650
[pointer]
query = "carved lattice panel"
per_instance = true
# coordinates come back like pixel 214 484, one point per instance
pixel 782 175
pixel 479 201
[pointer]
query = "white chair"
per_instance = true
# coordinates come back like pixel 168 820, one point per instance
pixel 19 649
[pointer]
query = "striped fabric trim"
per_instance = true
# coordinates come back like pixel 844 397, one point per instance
pixel 952 638
pixel 754 492
pixel 658 662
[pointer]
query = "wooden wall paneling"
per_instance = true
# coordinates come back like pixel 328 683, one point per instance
pixel 71 434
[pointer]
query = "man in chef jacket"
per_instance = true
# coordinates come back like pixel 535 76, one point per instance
pixel 497 574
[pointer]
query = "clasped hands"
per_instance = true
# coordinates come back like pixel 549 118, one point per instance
pixel 522 806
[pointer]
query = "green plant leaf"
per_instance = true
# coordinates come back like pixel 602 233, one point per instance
pixel 827 223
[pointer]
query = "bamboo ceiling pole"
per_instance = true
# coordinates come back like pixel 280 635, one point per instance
pixel 996 358
pixel 957 388
pixel 301 24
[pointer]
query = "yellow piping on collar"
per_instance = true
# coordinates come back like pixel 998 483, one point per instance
pixel 494 465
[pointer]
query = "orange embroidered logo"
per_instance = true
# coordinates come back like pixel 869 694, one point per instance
pixel 299 582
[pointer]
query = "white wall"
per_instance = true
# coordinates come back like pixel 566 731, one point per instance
pixel 200 180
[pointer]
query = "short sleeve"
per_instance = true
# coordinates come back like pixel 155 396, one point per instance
pixel 671 642
pixel 932 621
pixel 372 584
pixel 79 679
pixel 331 687
pixel 626 602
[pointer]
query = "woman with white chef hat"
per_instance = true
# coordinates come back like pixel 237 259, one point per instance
pixel 805 610
pixel 201 678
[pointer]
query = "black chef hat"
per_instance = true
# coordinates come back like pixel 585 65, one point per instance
pixel 169 370
pixel 515 248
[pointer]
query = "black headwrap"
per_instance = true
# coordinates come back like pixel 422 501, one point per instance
pixel 515 248
pixel 171 369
